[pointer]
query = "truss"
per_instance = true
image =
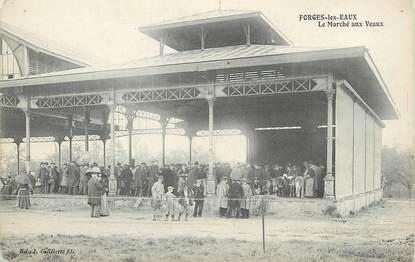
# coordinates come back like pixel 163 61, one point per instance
pixel 180 93
pixel 270 87
pixel 69 101
pixel 9 101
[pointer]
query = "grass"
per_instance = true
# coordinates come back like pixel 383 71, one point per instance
pixel 183 249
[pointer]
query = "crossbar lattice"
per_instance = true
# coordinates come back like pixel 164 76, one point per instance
pixel 161 95
pixel 9 101
pixel 269 87
pixel 69 101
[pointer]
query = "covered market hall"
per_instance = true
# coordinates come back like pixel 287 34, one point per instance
pixel 230 70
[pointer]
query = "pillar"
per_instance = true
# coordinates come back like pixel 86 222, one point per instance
pixel 190 148
pixel 163 123
pixel 70 136
pixel 112 180
pixel 329 178
pixel 104 141
pixel 211 179
pixel 86 123
pixel 27 116
pixel 59 140
pixel 18 141
pixel 70 148
pixel 249 133
pixel 59 154
pixel 130 115
pixel 161 46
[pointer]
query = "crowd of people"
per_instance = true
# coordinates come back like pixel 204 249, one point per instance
pixel 175 187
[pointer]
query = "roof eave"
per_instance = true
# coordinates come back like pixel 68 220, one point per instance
pixel 381 82
pixel 147 29
pixel 298 57
pixel 40 49
pixel 273 27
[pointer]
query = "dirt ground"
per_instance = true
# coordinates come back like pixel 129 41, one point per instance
pixel 382 232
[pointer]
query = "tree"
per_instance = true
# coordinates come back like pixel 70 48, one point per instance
pixel 398 166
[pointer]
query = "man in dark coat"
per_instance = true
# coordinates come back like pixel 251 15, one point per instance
pixel 235 195
pixel 140 175
pixel 95 189
pixel 126 178
pixel 170 177
pixel 73 178
pixel 117 174
pixel 193 176
pixel 44 177
pixel 53 178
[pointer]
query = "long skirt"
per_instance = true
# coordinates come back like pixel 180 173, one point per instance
pixel 23 199
pixel 104 206
pixel 96 211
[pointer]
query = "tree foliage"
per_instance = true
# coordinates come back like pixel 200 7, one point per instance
pixel 398 166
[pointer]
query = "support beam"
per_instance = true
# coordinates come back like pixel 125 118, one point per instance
pixel 211 186
pixel 130 115
pixel 70 148
pixel 190 148
pixel 59 140
pixel 60 154
pixel 87 119
pixel 202 38
pixel 112 180
pixel 28 135
pixel 104 148
pixel 161 43
pixel 163 123
pixel 70 136
pixel 329 178
pixel 247 29
pixel 18 156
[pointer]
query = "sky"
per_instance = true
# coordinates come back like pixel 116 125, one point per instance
pixel 109 29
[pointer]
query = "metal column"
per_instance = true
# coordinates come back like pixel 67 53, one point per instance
pixel 329 178
pixel 27 115
pixel 211 179
pixel 190 148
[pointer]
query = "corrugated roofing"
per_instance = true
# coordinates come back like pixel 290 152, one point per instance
pixel 48 46
pixel 196 56
pixel 204 16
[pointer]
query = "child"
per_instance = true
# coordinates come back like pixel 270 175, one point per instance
pixel 170 199
pixel 184 202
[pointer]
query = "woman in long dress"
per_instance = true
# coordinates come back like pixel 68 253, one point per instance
pixel 23 186
pixel 104 199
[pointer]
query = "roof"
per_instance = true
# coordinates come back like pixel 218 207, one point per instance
pixel 353 64
pixel 48 46
pixel 192 56
pixel 201 18
pixel 223 28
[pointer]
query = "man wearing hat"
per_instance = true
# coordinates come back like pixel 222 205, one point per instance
pixel 235 195
pixel 246 200
pixel 53 178
pixel 157 193
pixel 44 177
pixel 153 173
pixel 222 194
pixel 95 190
pixel 117 174
pixel 83 179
